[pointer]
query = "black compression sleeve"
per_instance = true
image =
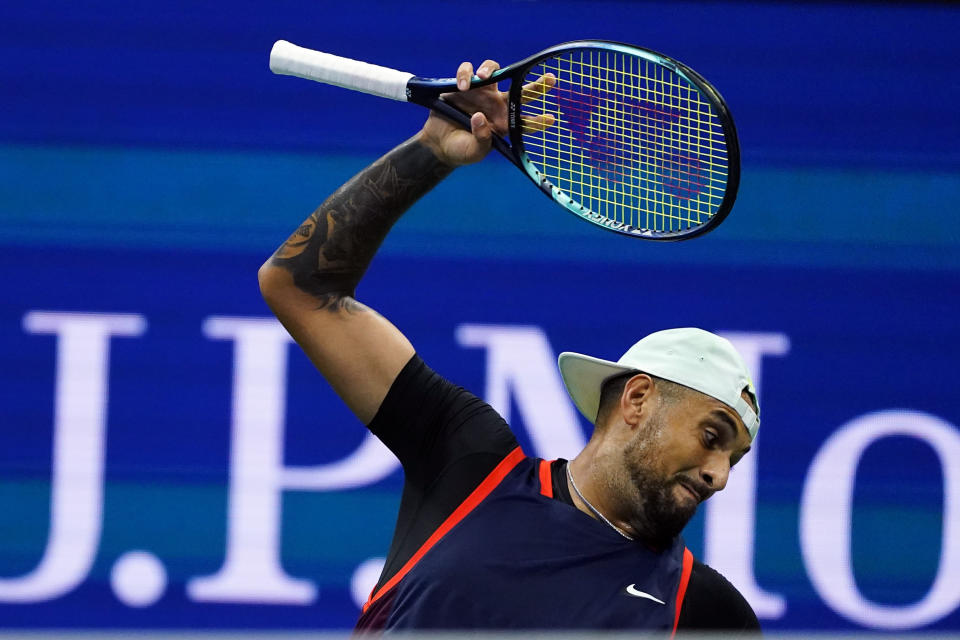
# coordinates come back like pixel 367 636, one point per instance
pixel 712 603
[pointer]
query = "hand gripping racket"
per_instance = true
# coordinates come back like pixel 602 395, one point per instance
pixel 626 138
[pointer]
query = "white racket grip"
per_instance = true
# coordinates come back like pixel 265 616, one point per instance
pixel 290 60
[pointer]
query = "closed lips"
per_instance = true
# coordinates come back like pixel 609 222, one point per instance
pixel 696 494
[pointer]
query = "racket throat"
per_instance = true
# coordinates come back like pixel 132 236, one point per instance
pixel 428 98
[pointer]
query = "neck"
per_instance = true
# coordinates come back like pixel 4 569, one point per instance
pixel 591 495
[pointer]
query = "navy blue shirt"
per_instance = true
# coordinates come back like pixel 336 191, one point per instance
pixel 488 538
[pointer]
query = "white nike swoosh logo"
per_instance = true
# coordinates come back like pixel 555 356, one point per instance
pixel 632 590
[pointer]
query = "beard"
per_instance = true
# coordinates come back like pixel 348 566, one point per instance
pixel 657 516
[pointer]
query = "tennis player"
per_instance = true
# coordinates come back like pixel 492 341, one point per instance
pixel 487 537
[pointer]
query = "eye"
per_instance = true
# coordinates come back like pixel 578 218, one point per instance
pixel 710 438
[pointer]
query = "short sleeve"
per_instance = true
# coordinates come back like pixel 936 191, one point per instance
pixel 429 424
pixel 447 439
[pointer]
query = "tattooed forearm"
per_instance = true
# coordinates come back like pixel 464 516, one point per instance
pixel 331 250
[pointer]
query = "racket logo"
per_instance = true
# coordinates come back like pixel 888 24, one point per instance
pixel 628 140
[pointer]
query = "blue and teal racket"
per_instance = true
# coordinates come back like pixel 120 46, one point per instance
pixel 625 138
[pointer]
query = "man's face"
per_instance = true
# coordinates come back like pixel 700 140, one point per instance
pixel 679 456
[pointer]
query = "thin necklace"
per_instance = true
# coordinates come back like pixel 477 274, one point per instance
pixel 593 508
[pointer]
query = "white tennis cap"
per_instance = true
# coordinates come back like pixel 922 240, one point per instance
pixel 694 358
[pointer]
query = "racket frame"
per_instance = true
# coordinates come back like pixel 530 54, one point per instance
pixel 427 92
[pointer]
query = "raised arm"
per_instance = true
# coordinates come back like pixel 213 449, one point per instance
pixel 310 281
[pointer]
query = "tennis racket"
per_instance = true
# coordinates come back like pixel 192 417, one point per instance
pixel 625 138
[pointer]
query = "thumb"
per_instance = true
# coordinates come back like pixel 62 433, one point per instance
pixel 480 127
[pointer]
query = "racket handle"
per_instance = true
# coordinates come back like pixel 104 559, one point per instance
pixel 290 60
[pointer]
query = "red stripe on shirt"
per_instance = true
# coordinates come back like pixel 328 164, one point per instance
pixel 489 483
pixel 682 589
pixel 546 478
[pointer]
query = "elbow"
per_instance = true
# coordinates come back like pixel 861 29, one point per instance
pixel 264 276
pixel 273 281
pixel 282 289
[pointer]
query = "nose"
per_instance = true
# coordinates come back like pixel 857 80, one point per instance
pixel 715 471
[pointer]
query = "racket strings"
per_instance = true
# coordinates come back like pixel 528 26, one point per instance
pixel 631 140
pixel 716 162
pixel 641 141
pixel 625 127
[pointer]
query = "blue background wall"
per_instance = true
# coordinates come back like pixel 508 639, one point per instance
pixel 149 162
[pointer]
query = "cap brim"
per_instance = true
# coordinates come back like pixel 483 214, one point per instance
pixel 583 377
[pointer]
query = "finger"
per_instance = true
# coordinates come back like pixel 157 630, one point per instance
pixel 480 127
pixel 538 123
pixel 538 88
pixel 487 67
pixel 464 75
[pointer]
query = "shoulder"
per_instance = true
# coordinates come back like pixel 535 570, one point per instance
pixel 430 424
pixel 711 602
pixel 418 392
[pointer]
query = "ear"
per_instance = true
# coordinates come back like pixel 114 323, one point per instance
pixel 636 398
